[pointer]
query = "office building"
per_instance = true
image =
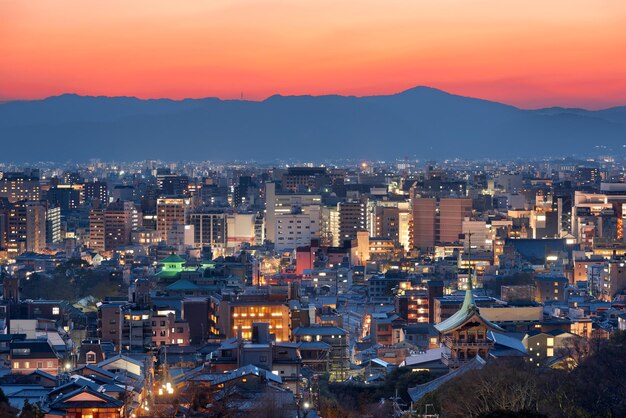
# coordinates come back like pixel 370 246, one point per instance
pixel 170 212
pixel 20 186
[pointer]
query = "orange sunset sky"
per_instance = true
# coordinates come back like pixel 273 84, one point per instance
pixel 530 53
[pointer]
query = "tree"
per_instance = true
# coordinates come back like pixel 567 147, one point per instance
pixel 500 386
pixel 595 387
pixel 30 411
pixel 6 410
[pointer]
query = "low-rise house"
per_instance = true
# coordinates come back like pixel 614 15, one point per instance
pixel 85 402
pixel 26 356
pixel 556 347
pixel 281 358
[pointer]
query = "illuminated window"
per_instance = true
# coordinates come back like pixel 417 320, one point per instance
pixel 56 310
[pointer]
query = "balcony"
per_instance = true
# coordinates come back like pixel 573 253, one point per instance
pixel 452 362
pixel 449 342
pixel 455 362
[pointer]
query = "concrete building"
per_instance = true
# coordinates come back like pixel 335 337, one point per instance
pixel 237 316
pixel 120 219
pixel 20 186
pixel 96 230
pixel 452 212
pixel 352 218
pixel 26 227
pixel 291 220
pixel 438 221
pixel 53 225
pixel 170 212
pixel 240 229
pixel 550 288
pixel 97 191
pixel 612 280
pixel 304 178
pixel 209 228
pixel 166 329
pixel 424 217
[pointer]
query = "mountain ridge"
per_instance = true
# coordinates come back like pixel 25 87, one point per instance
pixel 422 121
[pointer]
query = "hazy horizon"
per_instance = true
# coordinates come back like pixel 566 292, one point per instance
pixel 262 99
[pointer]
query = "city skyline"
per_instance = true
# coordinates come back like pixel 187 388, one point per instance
pixel 528 55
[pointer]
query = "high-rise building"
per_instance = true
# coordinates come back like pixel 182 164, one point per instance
pixel 387 223
pixel 241 194
pixel 352 219
pixel 20 186
pixel 209 228
pixel 64 196
pixel 438 221
pixel 172 184
pixel 120 219
pixel 96 229
pixel 304 178
pixel 424 216
pixel 26 227
pixel 452 212
pixel 170 212
pixel 5 208
pixel 53 225
pixel 329 226
pixel 291 220
pixel 97 190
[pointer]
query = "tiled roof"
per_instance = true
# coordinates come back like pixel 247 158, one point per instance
pixel 173 258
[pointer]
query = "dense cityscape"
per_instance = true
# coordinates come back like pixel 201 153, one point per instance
pixel 312 209
pixel 352 289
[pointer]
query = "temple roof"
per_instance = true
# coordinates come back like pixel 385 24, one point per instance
pixel 173 258
pixel 467 311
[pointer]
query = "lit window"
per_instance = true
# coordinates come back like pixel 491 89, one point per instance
pixel 56 310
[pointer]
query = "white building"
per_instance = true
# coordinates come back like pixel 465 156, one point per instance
pixel 291 220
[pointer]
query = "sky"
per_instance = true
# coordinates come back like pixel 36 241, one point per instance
pixel 529 53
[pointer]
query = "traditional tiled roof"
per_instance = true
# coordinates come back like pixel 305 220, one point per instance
pixel 418 392
pixel 94 399
pixel 182 284
pixel 172 259
pixel 467 311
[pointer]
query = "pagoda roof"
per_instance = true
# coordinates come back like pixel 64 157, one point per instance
pixel 173 258
pixel 467 311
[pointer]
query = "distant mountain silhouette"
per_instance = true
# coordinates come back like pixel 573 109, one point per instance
pixel 421 122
